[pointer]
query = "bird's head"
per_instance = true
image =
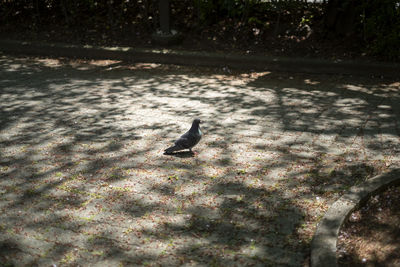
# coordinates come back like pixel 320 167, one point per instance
pixel 197 121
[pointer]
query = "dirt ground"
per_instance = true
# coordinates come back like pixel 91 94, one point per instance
pixel 371 236
pixel 84 181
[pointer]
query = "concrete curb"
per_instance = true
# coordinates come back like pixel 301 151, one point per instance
pixel 323 245
pixel 168 56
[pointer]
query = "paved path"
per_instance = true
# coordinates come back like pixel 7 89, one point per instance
pixel 83 180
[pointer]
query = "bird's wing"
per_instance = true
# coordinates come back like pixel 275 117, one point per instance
pixel 185 141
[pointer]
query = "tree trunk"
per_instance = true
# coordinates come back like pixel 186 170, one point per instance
pixel 64 10
pixel 164 10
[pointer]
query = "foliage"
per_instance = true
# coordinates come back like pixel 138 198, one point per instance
pixel 107 13
pixel 247 10
pixel 118 13
pixel 246 22
pixel 381 26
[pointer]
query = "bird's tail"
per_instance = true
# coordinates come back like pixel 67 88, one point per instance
pixel 171 149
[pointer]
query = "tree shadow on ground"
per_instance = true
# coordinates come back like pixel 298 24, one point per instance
pixel 84 181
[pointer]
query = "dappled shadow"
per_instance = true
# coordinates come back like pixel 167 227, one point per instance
pixel 84 179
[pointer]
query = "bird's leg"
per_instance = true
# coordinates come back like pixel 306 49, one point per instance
pixel 192 152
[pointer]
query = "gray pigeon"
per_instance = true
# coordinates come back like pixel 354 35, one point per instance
pixel 188 140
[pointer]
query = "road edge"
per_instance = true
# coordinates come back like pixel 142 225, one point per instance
pixel 180 57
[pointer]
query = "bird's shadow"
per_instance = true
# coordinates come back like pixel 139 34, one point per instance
pixel 181 154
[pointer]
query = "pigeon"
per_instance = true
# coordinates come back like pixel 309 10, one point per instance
pixel 188 140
